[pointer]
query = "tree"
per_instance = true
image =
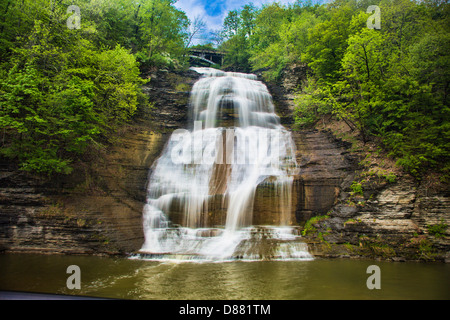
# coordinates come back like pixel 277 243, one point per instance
pixel 237 57
pixel 237 28
pixel 231 24
pixel 196 30
pixel 216 37
pixel 363 64
pixel 328 42
pixel 61 93
pixel 267 24
pixel 429 62
pixel 389 83
pixel 248 16
pixel 162 33
pixel 293 42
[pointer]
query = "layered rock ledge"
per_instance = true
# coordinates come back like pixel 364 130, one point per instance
pixel 98 209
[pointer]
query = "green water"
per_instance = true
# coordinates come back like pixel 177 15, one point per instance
pixel 285 280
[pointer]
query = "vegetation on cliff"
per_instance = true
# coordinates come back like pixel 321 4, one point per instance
pixel 70 73
pixel 388 81
pixel 71 70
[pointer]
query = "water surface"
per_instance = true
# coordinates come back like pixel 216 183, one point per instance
pixel 264 280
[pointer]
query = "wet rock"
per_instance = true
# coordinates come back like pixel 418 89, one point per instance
pixel 394 219
pixel 98 208
pixel 325 170
pixel 169 92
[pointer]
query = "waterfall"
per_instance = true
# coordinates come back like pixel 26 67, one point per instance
pixel 202 189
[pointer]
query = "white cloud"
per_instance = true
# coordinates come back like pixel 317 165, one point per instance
pixel 194 8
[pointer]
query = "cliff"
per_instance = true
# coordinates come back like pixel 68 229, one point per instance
pixel 98 208
pixel 349 198
pixel 354 201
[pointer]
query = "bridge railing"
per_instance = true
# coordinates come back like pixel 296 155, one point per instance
pixel 210 56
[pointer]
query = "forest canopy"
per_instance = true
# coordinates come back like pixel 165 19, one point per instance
pixel 389 81
pixel 71 72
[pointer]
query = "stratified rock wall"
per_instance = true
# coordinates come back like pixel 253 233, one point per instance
pixel 98 208
pixel 326 167
pixel 390 220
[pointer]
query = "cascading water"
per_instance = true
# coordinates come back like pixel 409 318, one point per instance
pixel 202 188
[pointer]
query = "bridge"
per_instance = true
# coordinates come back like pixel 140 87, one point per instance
pixel 206 57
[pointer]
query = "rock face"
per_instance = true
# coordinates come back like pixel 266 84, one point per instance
pixel 97 209
pixel 393 224
pixel 325 167
pixel 392 220
pixel 170 94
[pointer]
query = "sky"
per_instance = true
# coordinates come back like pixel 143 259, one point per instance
pixel 213 12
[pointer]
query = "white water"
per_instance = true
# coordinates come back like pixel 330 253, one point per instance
pixel 235 143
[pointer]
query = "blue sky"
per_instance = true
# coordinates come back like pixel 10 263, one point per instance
pixel 214 11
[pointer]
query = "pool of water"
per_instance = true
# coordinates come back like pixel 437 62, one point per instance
pixel 264 280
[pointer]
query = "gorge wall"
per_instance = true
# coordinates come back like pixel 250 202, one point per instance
pixel 360 204
pixel 98 209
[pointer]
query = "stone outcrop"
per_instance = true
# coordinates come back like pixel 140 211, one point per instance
pixel 326 166
pixel 169 92
pixel 98 208
pixel 393 223
pixel 389 220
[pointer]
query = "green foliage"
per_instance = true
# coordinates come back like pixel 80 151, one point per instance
pixel 267 26
pixel 284 48
pixel 309 227
pixel 63 90
pixel 154 30
pixel 268 38
pixel 390 83
pixel 426 250
pixel 377 246
pixel 237 57
pixel 328 45
pixel 390 177
pixel 311 102
pixel 162 32
pixel 208 46
pixel 438 230
pixel 231 24
pixel 357 188
pixel 238 27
